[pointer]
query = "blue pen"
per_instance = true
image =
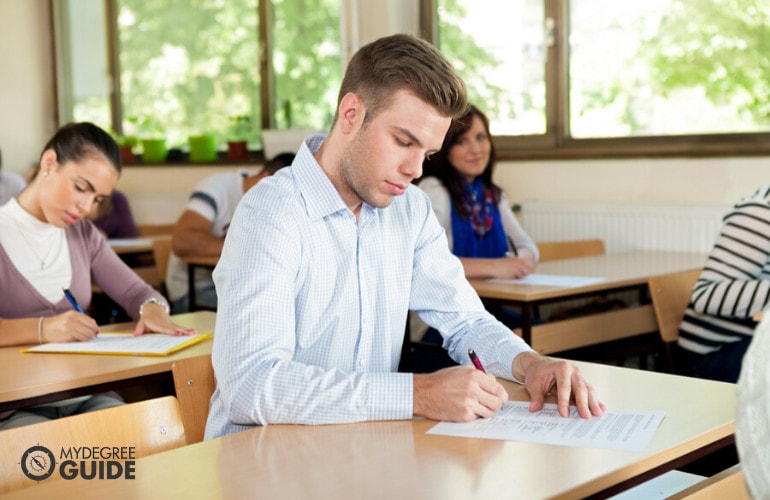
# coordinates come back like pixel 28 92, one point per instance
pixel 72 300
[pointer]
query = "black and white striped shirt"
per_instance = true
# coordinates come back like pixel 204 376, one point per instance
pixel 735 282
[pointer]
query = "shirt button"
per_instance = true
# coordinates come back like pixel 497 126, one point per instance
pixel 361 364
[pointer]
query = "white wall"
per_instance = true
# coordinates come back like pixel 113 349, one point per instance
pixel 27 109
pixel 158 194
pixel 699 181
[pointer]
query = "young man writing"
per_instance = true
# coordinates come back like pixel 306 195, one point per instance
pixel 324 259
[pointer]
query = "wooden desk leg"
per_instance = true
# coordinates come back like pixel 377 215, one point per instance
pixel 526 322
pixel 191 288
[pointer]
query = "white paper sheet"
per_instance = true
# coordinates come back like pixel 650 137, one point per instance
pixel 625 430
pixel 129 242
pixel 553 280
pixel 124 343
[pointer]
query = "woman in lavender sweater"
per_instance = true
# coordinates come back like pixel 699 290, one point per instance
pixel 47 244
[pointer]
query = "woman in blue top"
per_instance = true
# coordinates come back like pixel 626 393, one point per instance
pixel 476 215
pixel 480 226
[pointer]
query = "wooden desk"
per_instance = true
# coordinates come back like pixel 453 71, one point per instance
pixel 621 271
pixel 192 264
pixel 387 460
pixel 28 379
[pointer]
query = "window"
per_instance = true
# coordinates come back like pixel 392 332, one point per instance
pixel 180 68
pixel 592 78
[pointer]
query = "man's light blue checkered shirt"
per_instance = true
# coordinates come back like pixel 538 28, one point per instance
pixel 313 306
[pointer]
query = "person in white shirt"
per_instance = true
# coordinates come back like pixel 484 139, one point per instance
pixel 752 431
pixel 201 229
pixel 324 259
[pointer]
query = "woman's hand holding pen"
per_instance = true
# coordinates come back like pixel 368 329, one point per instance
pixel 155 319
pixel 514 267
pixel 72 326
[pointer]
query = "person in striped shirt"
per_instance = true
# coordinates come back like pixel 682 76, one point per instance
pixel 735 284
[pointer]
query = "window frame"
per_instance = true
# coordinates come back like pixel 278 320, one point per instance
pixel 64 105
pixel 264 61
pixel 556 143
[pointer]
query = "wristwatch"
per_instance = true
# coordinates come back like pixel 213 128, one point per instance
pixel 153 300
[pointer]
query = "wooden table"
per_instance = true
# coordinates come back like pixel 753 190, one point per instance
pixel 620 272
pixel 34 378
pixel 194 263
pixel 389 460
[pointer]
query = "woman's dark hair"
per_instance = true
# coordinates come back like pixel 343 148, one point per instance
pixel 76 141
pixel 438 164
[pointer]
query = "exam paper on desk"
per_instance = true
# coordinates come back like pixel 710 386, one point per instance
pixel 149 344
pixel 624 430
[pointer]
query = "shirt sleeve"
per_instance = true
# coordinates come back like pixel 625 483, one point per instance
pixel 734 282
pixel 445 300
pixel 513 229
pixel 209 196
pixel 442 205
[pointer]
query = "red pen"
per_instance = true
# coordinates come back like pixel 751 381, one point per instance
pixel 475 360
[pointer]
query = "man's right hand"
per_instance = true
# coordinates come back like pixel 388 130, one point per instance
pixel 457 394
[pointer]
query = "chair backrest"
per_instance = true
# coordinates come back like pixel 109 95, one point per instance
pixel 149 426
pixel 670 295
pixel 728 484
pixel 557 250
pixel 161 249
pixel 194 384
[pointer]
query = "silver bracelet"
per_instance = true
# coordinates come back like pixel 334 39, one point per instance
pixel 40 330
pixel 153 300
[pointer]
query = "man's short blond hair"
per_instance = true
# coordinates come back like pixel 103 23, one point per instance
pixel 404 62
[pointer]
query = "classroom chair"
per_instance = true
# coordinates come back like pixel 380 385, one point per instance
pixel 617 350
pixel 149 426
pixel 558 250
pixel 161 249
pixel 569 249
pixel 670 294
pixel 728 484
pixel 194 384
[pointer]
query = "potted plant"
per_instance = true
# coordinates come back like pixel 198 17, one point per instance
pixel 203 148
pixel 241 130
pixel 127 143
pixel 153 141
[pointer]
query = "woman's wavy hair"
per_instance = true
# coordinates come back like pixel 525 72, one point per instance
pixel 438 165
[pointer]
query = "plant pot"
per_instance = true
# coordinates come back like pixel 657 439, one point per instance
pixel 154 150
pixel 203 147
pixel 127 154
pixel 237 151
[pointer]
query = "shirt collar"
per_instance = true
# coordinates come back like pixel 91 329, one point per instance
pixel 321 197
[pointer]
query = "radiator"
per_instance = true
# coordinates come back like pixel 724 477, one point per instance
pixel 626 226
